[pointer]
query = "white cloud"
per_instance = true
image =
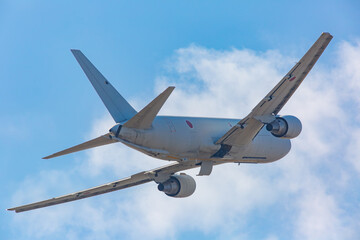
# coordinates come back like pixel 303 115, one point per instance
pixel 303 191
pixel 319 216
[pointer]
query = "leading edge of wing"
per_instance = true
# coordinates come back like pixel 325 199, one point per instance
pixel 266 110
pixel 274 101
pixel 158 174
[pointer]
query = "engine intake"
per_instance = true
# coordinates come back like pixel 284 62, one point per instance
pixel 178 186
pixel 285 127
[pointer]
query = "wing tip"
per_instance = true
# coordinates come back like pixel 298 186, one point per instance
pixel 76 52
pixel 11 209
pixel 171 88
pixel 328 34
pixel 49 156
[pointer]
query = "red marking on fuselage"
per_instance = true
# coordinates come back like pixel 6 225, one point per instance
pixel 189 124
pixel 292 79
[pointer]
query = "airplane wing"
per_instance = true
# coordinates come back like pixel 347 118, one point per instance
pixel 158 175
pixel 266 110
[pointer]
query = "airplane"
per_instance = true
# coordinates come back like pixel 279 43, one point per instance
pixel 262 136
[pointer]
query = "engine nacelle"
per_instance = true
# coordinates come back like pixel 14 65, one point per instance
pixel 178 186
pixel 285 127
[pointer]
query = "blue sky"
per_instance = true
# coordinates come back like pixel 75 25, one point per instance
pixel 47 104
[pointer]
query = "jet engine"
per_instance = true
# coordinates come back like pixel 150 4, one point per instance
pixel 178 186
pixel 285 127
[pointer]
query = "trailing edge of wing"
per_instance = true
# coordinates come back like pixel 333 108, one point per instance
pixel 266 110
pixel 118 107
pixel 100 141
pixel 144 118
pixel 275 100
pixel 134 180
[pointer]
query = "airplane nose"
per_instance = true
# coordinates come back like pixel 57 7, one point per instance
pixel 115 130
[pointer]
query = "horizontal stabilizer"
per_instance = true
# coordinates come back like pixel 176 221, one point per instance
pixel 144 118
pixel 118 107
pixel 100 141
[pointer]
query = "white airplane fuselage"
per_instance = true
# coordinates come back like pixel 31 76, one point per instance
pixel 193 138
pixel 260 137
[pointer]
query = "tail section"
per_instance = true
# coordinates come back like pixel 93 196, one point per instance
pixel 144 118
pixel 141 120
pixel 118 107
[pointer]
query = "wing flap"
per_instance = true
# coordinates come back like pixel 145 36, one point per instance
pixel 242 133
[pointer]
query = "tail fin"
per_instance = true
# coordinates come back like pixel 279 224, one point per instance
pixel 144 118
pixel 118 107
pixel 100 141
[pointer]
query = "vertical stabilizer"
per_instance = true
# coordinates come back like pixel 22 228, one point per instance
pixel 118 107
